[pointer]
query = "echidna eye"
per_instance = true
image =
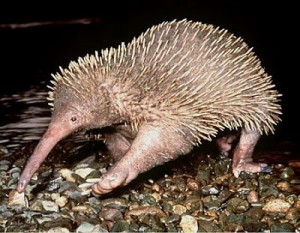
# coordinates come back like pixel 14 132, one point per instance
pixel 73 119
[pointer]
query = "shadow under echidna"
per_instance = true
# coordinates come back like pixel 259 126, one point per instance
pixel 175 85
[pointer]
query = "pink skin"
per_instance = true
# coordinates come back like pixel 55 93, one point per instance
pixel 154 144
pixel 224 143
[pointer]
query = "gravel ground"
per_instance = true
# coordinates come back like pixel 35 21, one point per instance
pixel 196 193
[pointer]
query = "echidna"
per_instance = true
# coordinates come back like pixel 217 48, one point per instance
pixel 175 85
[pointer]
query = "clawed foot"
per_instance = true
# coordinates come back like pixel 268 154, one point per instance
pixel 111 180
pixel 250 167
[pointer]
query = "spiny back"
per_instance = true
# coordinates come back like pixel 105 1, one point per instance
pixel 195 75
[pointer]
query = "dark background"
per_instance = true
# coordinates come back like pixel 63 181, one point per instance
pixel 29 55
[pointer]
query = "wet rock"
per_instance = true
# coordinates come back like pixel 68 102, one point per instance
pixel 82 209
pixel 205 226
pixel 17 199
pixel 206 218
pixel 237 205
pixel 153 222
pixel 3 150
pixel 94 203
pixel 156 187
pixel 67 174
pixel 193 203
pixel 115 203
pixel 75 195
pixel 145 199
pixel 252 197
pixel 55 221
pixel 211 202
pixel 222 167
pixel 36 205
pixel 255 226
pixel 120 226
pixel 4 167
pixel 156 196
pixel 233 227
pixel 3 208
pixel 58 230
pixel 192 184
pixel 292 199
pixel 111 214
pixel 255 213
pixel 293 214
pixel 203 176
pixel 287 173
pixel 267 186
pixel 143 210
pixel 188 224
pixel 172 219
pixel 54 196
pixel 276 206
pixel 282 227
pixel 224 195
pixel 179 209
pixel 61 201
pixel 88 227
pixel 49 206
pixel 297 203
pixel 84 172
pixel 284 186
pixel 54 184
pixel 210 190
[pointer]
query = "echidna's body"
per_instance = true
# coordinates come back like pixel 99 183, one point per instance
pixel 179 81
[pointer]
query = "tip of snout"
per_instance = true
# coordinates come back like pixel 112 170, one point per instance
pixel 21 186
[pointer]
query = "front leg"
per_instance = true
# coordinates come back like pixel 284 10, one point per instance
pixel 153 145
pixel 242 157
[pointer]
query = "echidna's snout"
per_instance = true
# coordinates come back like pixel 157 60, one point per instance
pixel 53 135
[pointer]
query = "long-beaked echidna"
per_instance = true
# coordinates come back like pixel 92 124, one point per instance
pixel 178 83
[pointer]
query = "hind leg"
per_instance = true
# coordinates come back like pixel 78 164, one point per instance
pixel 226 142
pixel 117 144
pixel 242 157
pixel 118 140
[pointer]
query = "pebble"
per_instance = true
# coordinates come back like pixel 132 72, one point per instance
pixel 276 206
pixel 81 208
pixel 115 202
pixel 156 196
pixel 179 209
pixel 50 206
pixel 143 210
pixel 58 230
pixel 284 186
pixel 111 214
pixel 252 197
pixel 88 227
pixel 18 199
pixel 188 224
pixel 61 201
pixel 293 214
pixel 67 174
pixel 3 150
pixel 4 167
pixel 84 172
